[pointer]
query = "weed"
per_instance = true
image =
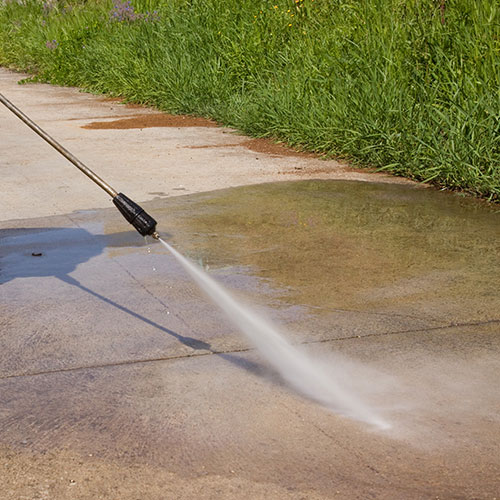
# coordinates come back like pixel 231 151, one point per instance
pixel 411 87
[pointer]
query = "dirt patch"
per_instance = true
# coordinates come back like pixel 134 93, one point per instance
pixel 258 145
pixel 152 120
pixel 267 146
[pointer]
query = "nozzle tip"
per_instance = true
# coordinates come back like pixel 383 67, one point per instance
pixel 142 221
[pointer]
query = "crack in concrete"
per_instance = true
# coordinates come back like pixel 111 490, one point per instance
pixel 130 362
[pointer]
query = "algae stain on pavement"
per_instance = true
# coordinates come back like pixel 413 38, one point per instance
pixel 350 245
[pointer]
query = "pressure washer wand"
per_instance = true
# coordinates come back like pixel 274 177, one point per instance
pixel 142 221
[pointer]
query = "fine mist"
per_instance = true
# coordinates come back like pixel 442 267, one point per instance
pixel 296 367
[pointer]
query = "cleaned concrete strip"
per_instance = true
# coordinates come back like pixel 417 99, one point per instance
pixel 211 417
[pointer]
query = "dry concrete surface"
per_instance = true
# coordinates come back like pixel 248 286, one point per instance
pixel 120 380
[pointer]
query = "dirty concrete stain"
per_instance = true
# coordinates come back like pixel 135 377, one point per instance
pixel 344 244
pixel 257 145
pixel 64 474
pixel 151 120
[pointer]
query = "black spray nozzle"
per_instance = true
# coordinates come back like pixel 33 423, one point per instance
pixel 142 221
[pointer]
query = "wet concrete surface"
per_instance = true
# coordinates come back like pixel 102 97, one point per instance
pixel 162 416
pixel 115 369
pixel 119 379
pixel 390 249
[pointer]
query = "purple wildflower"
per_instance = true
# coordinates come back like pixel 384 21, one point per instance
pixel 51 44
pixel 151 16
pixel 123 11
pixel 48 5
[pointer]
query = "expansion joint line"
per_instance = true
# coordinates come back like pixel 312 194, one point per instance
pixel 412 330
pixel 236 351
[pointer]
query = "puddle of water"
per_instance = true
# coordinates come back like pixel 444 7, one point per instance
pixel 350 245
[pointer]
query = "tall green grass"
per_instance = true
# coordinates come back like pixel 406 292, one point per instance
pixel 389 83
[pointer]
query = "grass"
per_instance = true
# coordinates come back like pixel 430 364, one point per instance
pixel 403 85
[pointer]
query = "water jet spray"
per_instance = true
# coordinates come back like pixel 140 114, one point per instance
pixel 133 213
pixel 297 368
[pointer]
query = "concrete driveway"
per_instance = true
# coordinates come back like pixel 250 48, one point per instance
pixel 120 380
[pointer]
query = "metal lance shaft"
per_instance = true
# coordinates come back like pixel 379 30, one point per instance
pixel 142 221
